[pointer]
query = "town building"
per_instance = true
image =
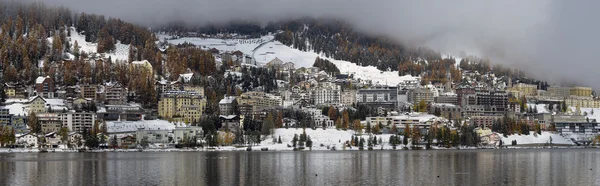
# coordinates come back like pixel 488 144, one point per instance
pixel 348 97
pixel 190 133
pixel 582 102
pixel 152 136
pixel 323 121
pixel 250 103
pixel 559 92
pixel 447 99
pixel 446 110
pixel 44 87
pixel 115 94
pixel 231 122
pixel 130 112
pixel 227 105
pixel 326 93
pixel 88 91
pixel 181 106
pixel 27 140
pixel 576 124
pixel 37 104
pixel 127 141
pixel 421 121
pixel 581 91
pixel 378 96
pixel 50 122
pixel 419 94
pixel 526 89
pixel 78 121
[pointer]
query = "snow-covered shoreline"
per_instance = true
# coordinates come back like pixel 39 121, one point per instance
pixel 258 149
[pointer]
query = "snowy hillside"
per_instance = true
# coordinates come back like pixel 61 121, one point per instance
pixel 121 50
pixel 265 49
pixel 246 46
pixel 537 140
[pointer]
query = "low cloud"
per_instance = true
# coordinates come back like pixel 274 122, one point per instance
pixel 551 39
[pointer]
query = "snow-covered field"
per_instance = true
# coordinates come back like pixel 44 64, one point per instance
pixel 541 139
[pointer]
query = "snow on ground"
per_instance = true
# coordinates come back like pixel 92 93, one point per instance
pixel 83 45
pixel 274 49
pixel 543 138
pixel 329 137
pixel 541 108
pixel 245 46
pixel 270 49
pixel 121 50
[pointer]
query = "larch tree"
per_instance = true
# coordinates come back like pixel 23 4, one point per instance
pixel 332 113
pixel 33 123
pixel 346 118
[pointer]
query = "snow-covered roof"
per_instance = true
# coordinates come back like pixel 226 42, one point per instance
pixel 414 116
pixel 40 79
pixel 55 102
pixel 227 100
pixel 443 105
pixel 133 126
pixel 16 109
pixel 143 62
pixel 227 116
pixel 186 77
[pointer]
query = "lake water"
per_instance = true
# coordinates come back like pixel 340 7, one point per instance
pixel 442 167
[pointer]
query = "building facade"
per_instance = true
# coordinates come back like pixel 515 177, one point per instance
pixel 581 91
pixel 181 106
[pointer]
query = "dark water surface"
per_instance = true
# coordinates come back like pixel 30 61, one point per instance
pixel 444 167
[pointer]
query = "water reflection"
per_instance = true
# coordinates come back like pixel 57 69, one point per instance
pixel 477 167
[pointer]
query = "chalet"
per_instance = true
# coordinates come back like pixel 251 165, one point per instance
pixel 127 141
pixel 37 104
pixel 214 51
pixel 44 86
pixel 275 63
pixel 27 140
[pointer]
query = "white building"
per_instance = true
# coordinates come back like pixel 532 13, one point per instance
pixel 78 121
pixel 320 119
pixel 327 93
pixel 28 140
pixel 422 121
pixel 180 133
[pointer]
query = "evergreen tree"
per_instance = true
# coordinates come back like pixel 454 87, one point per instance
pixel 309 142
pixel 294 140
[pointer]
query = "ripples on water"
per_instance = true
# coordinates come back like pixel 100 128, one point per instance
pixel 446 167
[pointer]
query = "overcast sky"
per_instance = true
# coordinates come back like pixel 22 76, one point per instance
pixel 552 39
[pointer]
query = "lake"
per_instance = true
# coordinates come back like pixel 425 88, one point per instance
pixel 439 167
